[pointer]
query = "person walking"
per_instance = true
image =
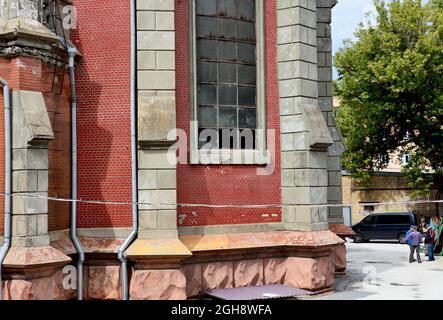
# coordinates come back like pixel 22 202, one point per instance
pixel 415 238
pixel 430 242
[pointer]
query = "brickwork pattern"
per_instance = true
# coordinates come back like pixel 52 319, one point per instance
pixel 103 90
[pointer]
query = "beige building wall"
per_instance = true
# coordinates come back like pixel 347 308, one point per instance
pixel 385 187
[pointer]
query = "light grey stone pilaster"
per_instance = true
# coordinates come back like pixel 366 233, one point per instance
pixel 31 130
pixel 156 119
pixel 304 133
pixel 324 54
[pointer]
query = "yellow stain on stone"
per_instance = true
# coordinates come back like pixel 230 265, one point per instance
pixel 207 242
pixel 158 248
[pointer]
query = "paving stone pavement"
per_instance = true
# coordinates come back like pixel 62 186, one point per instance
pixel 381 271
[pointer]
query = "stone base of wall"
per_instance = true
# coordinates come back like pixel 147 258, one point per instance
pixel 168 284
pixel 305 260
pixel 178 269
pixel 313 274
pixel 45 288
pixel 36 274
pixel 339 253
pixel 339 259
pixel 102 282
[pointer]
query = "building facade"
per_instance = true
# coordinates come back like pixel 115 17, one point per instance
pixel 388 192
pixel 238 154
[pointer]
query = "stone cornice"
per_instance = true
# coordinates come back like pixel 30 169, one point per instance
pixel 24 37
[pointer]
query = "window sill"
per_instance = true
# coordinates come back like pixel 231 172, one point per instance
pixel 228 157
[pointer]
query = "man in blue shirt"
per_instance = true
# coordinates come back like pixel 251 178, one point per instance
pixel 407 234
pixel 414 239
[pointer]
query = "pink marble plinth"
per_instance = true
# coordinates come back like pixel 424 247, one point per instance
pixel 248 273
pixel 158 285
pixel 217 275
pixel 103 283
pixel 305 273
pixel 47 288
pixel 339 258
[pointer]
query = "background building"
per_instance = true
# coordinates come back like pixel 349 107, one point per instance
pixel 387 185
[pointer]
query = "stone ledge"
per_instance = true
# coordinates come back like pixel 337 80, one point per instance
pixel 34 29
pixel 34 257
pixel 101 245
pixel 90 245
pixel 153 249
pixel 341 230
pixel 241 241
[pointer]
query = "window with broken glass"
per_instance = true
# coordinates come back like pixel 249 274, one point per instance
pixel 226 73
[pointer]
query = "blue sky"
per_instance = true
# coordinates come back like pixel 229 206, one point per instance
pixel 346 16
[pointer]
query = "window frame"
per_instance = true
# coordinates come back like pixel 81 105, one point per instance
pixel 230 156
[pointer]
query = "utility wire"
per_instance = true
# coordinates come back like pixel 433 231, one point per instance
pixel 192 205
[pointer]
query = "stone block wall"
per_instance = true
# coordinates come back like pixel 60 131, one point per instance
pixel 304 133
pixel 324 60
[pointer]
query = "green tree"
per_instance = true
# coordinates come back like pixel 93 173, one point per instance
pixel 390 87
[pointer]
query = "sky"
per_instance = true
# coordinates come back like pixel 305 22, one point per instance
pixel 346 16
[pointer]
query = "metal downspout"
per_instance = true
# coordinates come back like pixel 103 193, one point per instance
pixel 72 52
pixel 133 234
pixel 8 186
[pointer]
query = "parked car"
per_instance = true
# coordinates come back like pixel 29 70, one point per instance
pixel 385 226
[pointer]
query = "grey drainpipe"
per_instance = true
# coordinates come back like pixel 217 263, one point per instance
pixel 8 187
pixel 72 52
pixel 133 235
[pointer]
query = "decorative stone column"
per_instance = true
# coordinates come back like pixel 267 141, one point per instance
pixel 324 52
pixel 324 61
pixel 31 132
pixel 32 269
pixel 304 133
pixel 156 118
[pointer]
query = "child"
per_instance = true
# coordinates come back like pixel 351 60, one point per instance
pixel 430 242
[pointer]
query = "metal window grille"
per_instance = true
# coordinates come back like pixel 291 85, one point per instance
pixel 227 71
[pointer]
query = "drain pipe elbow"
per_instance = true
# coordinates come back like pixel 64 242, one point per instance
pixel 133 234
pixel 8 185
pixel 72 52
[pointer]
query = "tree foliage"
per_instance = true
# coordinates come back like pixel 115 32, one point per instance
pixel 390 87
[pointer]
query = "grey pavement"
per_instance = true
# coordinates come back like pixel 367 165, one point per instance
pixel 381 271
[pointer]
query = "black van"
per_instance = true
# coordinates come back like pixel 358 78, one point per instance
pixel 384 226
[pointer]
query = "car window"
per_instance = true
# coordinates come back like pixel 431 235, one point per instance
pixel 369 220
pixel 393 219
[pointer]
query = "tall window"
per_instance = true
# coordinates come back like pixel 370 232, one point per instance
pixel 226 67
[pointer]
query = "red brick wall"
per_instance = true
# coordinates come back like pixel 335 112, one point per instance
pixel 26 73
pixel 227 184
pixel 59 152
pixel 103 90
